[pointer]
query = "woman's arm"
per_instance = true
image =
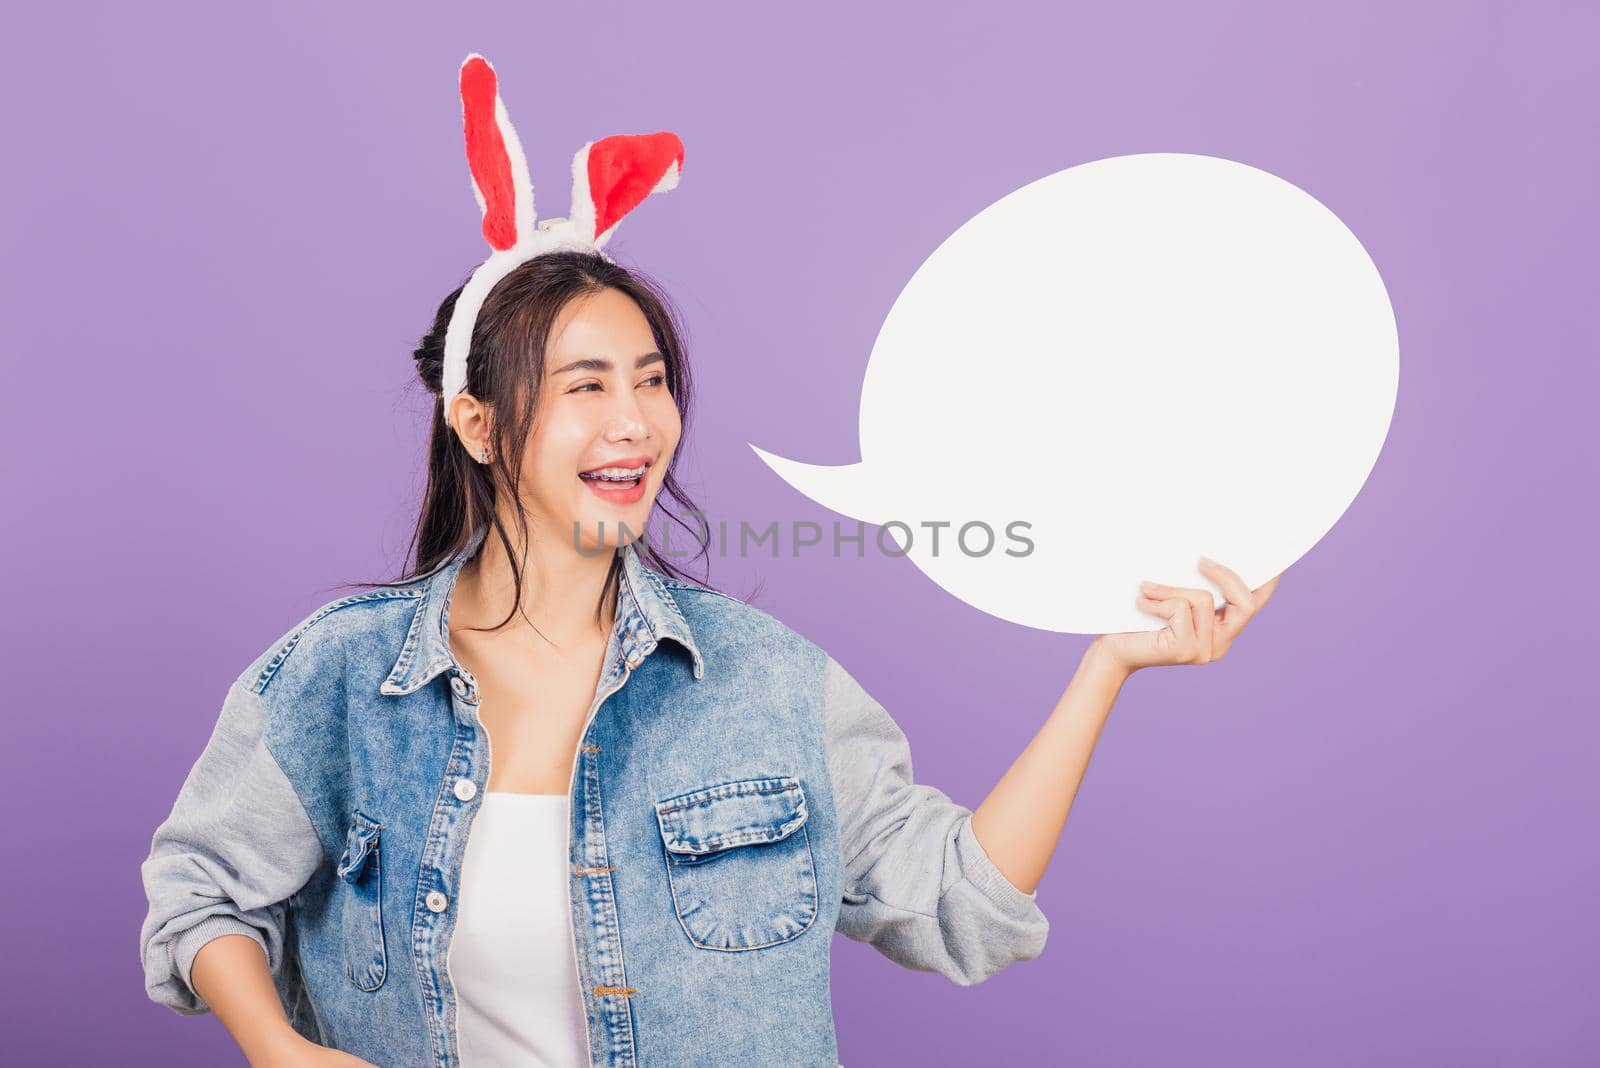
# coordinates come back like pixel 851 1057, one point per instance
pixel 222 866
pixel 230 974
pixel 1021 820
pixel 235 847
pixel 917 885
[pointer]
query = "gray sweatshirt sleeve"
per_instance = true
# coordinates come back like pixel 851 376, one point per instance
pixel 236 846
pixel 917 883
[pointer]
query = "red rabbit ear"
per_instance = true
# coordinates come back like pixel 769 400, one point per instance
pixel 614 175
pixel 499 169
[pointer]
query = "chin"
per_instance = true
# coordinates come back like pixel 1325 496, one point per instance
pixel 594 538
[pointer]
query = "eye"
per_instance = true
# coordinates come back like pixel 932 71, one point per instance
pixel 656 379
pixel 583 388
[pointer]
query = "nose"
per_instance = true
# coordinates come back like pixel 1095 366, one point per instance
pixel 625 423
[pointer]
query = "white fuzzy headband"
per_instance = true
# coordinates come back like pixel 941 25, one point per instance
pixel 610 178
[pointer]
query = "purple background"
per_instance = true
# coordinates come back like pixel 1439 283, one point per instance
pixel 1365 837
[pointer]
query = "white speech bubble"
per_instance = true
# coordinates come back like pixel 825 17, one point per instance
pixel 1146 359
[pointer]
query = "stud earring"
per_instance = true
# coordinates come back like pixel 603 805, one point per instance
pixel 483 455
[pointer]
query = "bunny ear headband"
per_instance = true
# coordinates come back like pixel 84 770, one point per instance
pixel 610 178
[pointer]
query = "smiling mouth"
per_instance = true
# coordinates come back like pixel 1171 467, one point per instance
pixel 617 476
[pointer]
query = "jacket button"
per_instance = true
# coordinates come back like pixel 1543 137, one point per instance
pixel 458 685
pixel 437 902
pixel 466 789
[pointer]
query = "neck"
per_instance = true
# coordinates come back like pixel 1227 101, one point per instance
pixel 560 588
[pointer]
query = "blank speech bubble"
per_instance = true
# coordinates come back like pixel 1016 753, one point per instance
pixel 1114 370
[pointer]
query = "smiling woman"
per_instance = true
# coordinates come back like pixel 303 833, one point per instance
pixel 725 788
pixel 716 784
pixel 720 795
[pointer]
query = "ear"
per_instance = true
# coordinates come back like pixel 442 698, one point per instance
pixel 614 175
pixel 499 170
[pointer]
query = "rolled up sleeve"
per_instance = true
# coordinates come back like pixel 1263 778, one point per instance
pixel 917 883
pixel 236 846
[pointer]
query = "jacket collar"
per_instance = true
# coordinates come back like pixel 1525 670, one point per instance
pixel 646 613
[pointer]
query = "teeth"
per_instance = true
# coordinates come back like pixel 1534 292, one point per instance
pixel 617 474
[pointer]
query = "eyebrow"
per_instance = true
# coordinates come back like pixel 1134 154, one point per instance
pixel 595 363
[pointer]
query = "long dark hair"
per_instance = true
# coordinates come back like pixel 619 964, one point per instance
pixel 505 370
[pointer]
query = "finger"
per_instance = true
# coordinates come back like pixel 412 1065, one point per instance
pixel 1188 593
pixel 1264 591
pixel 1259 598
pixel 1205 618
pixel 1202 606
pixel 1179 615
pixel 1233 587
pixel 1239 604
pixel 1201 609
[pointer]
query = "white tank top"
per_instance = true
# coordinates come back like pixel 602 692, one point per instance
pixel 511 957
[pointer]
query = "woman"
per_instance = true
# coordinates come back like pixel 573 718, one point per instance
pixel 685 798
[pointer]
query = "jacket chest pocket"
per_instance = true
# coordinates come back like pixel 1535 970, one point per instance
pixel 739 863
pixel 361 869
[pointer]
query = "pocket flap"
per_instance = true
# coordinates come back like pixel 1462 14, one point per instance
pixel 732 814
pixel 360 844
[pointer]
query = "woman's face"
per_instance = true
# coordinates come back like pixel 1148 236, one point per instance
pixel 605 409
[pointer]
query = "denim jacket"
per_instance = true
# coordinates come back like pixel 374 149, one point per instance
pixel 736 797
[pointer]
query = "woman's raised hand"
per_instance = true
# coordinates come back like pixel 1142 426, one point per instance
pixel 1197 632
